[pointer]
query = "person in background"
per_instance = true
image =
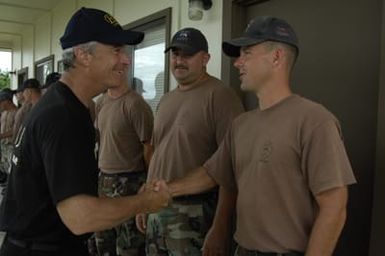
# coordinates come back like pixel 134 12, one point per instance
pixel 50 80
pixel 125 123
pixel 189 126
pixel 31 93
pixel 8 111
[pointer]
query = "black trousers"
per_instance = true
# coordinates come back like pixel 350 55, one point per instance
pixel 10 249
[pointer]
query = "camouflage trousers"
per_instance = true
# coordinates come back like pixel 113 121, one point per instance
pixel 178 230
pixel 124 240
pixel 6 154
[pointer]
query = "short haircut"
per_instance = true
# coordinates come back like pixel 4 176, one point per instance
pixel 68 56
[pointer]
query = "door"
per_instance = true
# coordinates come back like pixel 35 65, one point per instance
pixel 338 67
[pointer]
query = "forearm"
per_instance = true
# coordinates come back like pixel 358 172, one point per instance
pixel 148 151
pixel 6 134
pixel 225 209
pixel 327 227
pixel 198 181
pixel 84 214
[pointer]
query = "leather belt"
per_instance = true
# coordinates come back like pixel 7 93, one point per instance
pixel 246 252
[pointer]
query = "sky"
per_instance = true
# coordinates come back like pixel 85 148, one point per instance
pixel 5 61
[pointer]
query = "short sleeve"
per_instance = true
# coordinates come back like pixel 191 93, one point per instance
pixel 220 165
pixel 68 157
pixel 142 120
pixel 227 106
pixel 324 159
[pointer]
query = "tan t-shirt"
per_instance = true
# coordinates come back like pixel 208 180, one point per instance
pixel 124 123
pixel 7 120
pixel 189 127
pixel 278 160
pixel 20 115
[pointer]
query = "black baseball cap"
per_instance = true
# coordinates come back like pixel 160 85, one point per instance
pixel 259 30
pixel 89 24
pixel 50 79
pixel 6 94
pixel 31 83
pixel 189 40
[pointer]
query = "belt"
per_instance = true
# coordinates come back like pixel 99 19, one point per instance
pixel 199 198
pixel 246 252
pixel 122 174
pixel 32 245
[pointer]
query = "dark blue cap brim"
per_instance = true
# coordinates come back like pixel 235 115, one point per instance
pixel 232 47
pixel 123 37
pixel 184 48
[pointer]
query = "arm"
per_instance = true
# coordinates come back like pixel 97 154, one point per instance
pixel 217 239
pixel 329 222
pixel 148 151
pixel 6 134
pixel 195 182
pixel 84 214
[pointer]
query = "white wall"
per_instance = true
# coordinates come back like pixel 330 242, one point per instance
pixel 42 40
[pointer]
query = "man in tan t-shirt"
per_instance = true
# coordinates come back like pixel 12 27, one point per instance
pixel 190 124
pixel 283 166
pixel 125 124
pixel 31 90
pixel 8 110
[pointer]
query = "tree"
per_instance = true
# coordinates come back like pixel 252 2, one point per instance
pixel 5 80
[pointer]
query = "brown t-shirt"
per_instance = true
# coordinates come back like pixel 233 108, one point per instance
pixel 7 120
pixel 20 115
pixel 189 126
pixel 124 124
pixel 278 160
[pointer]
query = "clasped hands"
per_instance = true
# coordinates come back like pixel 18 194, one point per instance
pixel 156 195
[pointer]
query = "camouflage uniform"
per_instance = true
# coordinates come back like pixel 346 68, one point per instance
pixel 180 229
pixel 7 121
pixel 125 239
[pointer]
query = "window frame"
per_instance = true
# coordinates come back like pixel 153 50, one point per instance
pixel 148 22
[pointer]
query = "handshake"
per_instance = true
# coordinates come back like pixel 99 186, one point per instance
pixel 155 195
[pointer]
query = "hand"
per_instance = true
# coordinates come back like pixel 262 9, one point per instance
pixel 141 222
pixel 155 197
pixel 216 243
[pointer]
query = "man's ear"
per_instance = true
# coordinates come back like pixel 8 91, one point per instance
pixel 278 56
pixel 206 58
pixel 83 57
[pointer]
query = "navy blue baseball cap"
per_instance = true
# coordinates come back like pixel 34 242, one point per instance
pixel 89 24
pixel 31 83
pixel 259 30
pixel 189 41
pixel 50 79
pixel 6 94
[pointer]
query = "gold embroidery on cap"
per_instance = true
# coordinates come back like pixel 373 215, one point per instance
pixel 110 20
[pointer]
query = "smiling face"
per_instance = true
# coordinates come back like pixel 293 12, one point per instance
pixel 188 69
pixel 108 65
pixel 255 67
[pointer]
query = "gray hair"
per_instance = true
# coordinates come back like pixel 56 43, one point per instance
pixel 68 55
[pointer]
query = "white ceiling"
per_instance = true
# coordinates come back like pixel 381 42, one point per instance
pixel 18 13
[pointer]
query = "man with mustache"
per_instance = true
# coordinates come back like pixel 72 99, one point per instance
pixel 189 125
pixel 284 164
pixel 51 203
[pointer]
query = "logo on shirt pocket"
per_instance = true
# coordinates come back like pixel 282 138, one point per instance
pixel 266 152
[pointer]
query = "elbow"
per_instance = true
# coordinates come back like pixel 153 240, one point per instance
pixel 78 229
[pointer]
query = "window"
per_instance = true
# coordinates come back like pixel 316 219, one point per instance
pixel 43 68
pixel 150 69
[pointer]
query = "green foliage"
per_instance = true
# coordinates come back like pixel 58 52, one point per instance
pixel 5 80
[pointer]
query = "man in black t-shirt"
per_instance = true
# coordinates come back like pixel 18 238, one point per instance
pixel 51 203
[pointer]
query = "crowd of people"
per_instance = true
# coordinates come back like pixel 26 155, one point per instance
pixel 112 178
